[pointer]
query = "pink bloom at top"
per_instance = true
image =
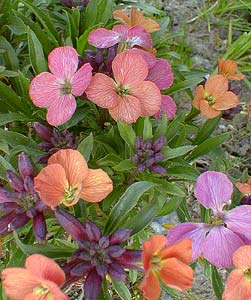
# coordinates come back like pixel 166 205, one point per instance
pixel 226 232
pixel 56 90
pixel 127 37
pixel 129 96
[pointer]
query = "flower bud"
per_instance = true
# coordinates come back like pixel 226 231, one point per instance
pixel 44 132
pixel 159 143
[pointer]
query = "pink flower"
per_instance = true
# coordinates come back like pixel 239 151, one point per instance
pixel 56 90
pixel 226 231
pixel 129 96
pixel 168 107
pixel 127 37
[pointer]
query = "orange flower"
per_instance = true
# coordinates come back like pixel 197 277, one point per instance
pixel 170 264
pixel 136 18
pixel 244 188
pixel 238 285
pixel 214 97
pixel 67 178
pixel 40 280
pixel 228 68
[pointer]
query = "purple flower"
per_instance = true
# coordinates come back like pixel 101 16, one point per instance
pixel 97 255
pixel 54 140
pixel 23 203
pixel 227 230
pixel 148 155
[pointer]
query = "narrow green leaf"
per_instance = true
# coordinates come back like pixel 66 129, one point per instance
pixel 124 165
pixel 122 290
pixel 86 146
pixel 16 139
pixel 127 133
pixel 206 130
pixel 170 206
pixel 217 283
pixel 147 131
pixel 183 172
pixel 183 212
pixel 4 166
pixel 82 40
pixel 12 117
pixel 176 152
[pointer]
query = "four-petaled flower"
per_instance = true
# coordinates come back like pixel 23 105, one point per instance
pixel 136 18
pixel 228 68
pixel 129 96
pixel 214 97
pixel 97 255
pixel 170 264
pixel 40 279
pixel 67 178
pixel 56 90
pixel 238 285
pixel 24 203
pixel 226 231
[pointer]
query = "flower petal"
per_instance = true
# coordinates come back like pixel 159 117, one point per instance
pixel 176 274
pixel 128 109
pixel 238 220
pixel 199 95
pixel 168 107
pixel 213 190
pixel 61 110
pixel 138 36
pixel 129 68
pixel 102 91
pixel 39 227
pixel 103 38
pixel 244 188
pixel 181 250
pixel 220 245
pixel 18 283
pixel 92 286
pixel 237 287
pixel 63 62
pixel 148 57
pixel 50 184
pixel 226 101
pixel 121 15
pixel 96 186
pixel 45 268
pixel 150 286
pixel 81 79
pixel 195 231
pixel 216 84
pixel 161 74
pixel 73 162
pixel 149 96
pixel 44 89
pixel 137 18
pixel 242 257
pixel 208 111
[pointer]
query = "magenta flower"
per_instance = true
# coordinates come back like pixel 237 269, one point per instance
pixel 56 90
pixel 127 37
pixel 227 230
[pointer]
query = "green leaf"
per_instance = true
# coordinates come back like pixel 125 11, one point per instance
pixel 206 130
pixel 217 284
pixel 170 206
pixel 73 18
pixel 10 56
pixel 147 131
pixel 176 152
pixel 12 117
pixel 161 129
pixel 183 85
pixel 4 166
pixel 120 212
pixel 183 172
pixel 183 212
pixel 36 53
pixel 17 25
pixel 122 290
pixel 127 133
pixel 47 249
pixel 16 139
pixel 86 146
pixel 124 165
pixel 208 145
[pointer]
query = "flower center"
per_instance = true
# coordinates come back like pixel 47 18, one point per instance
pixel 70 194
pixel 210 99
pixel 217 220
pixel 121 90
pixel 42 292
pixel 156 263
pixel 247 274
pixel 28 201
pixel 124 45
pixel 66 88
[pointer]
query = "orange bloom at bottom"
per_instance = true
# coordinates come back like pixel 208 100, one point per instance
pixel 168 264
pixel 39 280
pixel 238 285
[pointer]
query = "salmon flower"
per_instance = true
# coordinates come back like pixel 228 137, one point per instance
pixel 129 96
pixel 67 178
pixel 238 285
pixel 136 18
pixel 170 264
pixel 214 97
pixel 40 280
pixel 228 68
pixel 56 90
pixel 245 189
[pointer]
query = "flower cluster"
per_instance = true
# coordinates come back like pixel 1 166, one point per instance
pixel 148 155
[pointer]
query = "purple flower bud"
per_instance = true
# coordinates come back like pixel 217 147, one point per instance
pixel 149 162
pixel 101 270
pixel 99 57
pixel 138 142
pixel 71 225
pixel 141 168
pixel 84 245
pixel 81 269
pixel 44 132
pixel 228 114
pixel 104 242
pixel 111 53
pixel 85 256
pixel 140 152
pixel 92 286
pixel 31 213
pixel 159 156
pixel 8 206
pixel 8 196
pixel 147 145
pixel 150 153
pixel 135 158
pixel 39 227
pixel 39 205
pixel 116 251
pixel 158 169
pixel 130 258
pixel 236 90
pixel 92 231
pixel 15 182
pixel 120 236
pixel 19 221
pixel 117 272
pixel 24 166
pixel 159 143
pixel 29 184
pixel 5 221
pixel 246 200
pixel 45 146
